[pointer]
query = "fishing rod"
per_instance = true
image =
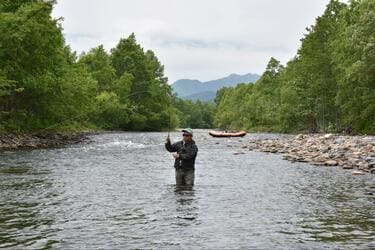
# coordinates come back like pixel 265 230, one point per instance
pixel 169 113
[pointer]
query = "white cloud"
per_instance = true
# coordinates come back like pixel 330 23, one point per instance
pixel 203 39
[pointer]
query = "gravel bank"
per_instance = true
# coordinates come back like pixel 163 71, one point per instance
pixel 45 140
pixel 356 153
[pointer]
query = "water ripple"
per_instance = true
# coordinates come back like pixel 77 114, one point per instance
pixel 118 192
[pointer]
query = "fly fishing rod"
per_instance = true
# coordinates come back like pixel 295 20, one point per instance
pixel 169 112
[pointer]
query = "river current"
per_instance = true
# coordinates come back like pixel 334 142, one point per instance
pixel 118 191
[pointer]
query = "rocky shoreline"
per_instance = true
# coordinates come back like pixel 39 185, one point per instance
pixel 42 140
pixel 356 153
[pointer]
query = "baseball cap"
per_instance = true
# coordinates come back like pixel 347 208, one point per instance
pixel 187 130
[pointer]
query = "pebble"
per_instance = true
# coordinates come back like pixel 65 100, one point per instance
pixel 357 172
pixel 347 167
pixel 331 163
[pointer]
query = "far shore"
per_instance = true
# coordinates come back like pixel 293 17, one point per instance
pixel 13 141
pixel 354 153
pixel 20 141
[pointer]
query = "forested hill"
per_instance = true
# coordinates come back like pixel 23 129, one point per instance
pixel 328 86
pixel 206 91
pixel 44 86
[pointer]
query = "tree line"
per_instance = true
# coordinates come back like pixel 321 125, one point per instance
pixel 328 86
pixel 45 86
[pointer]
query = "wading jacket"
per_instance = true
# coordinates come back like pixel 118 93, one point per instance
pixel 187 152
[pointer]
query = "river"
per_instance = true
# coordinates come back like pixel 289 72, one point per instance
pixel 118 192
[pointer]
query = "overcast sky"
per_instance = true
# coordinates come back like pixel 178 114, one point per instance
pixel 195 39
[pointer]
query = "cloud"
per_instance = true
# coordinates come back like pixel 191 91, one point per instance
pixel 193 38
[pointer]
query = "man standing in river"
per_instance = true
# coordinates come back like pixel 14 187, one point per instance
pixel 185 152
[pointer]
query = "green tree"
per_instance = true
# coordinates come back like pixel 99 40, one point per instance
pixel 30 53
pixel 354 58
pixel 148 90
pixel 194 114
pixel 44 87
pixel 98 63
pixel 315 69
pixel 48 86
pixel 14 5
pixel 111 113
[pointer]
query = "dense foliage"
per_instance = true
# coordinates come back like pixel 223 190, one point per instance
pixel 328 86
pixel 194 114
pixel 44 86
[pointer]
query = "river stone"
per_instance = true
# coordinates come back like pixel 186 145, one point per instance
pixel 330 163
pixel 363 165
pixel 305 160
pixel 347 167
pixel 328 136
pixel 355 172
pixel 300 136
pixel 340 163
pixel 369 159
pixel 317 163
pixel 339 140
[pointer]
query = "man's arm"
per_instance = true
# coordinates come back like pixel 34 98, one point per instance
pixel 190 153
pixel 171 147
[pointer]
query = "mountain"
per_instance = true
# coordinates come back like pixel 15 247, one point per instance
pixel 205 96
pixel 206 91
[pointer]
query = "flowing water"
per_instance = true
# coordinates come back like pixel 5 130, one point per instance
pixel 118 192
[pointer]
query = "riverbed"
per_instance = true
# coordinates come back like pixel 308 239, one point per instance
pixel 117 191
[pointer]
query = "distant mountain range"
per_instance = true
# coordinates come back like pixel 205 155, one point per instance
pixel 206 91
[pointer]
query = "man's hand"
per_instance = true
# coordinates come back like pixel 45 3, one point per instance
pixel 176 156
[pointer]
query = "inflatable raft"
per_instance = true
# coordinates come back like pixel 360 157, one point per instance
pixel 227 134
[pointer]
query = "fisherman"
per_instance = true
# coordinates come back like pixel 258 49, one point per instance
pixel 185 152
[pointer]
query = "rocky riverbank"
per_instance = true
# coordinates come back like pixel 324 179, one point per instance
pixel 356 153
pixel 44 140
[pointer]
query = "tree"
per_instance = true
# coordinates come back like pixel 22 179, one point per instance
pixel 44 87
pixel 31 55
pixel 98 63
pixel 47 87
pixel 354 58
pixel 149 93
pixel 316 69
pixel 14 5
pixel 111 113
pixel 195 114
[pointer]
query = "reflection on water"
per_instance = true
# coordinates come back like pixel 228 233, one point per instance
pixel 186 205
pixel 119 192
pixel 25 191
